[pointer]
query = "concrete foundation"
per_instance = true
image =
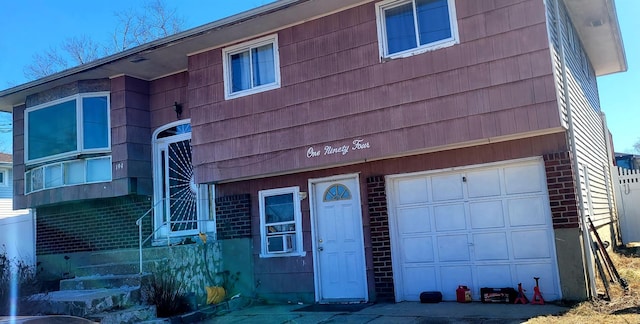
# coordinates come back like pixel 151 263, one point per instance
pixel 571 265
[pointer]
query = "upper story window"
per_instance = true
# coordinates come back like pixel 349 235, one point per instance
pixel 251 67
pixel 280 222
pixel 408 27
pixel 70 126
pixel 4 181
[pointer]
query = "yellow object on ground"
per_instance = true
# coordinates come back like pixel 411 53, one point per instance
pixel 215 294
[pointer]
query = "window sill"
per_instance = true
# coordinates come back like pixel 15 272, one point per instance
pixel 280 255
pixel 242 93
pixel 419 50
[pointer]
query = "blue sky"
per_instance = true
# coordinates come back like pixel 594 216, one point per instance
pixel 31 26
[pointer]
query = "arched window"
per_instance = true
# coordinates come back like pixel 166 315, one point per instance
pixel 337 192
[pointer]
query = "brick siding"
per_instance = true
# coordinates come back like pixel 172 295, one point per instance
pixel 562 190
pixel 92 225
pixel 233 217
pixel 380 240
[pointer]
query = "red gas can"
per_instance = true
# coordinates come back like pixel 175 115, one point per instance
pixel 463 294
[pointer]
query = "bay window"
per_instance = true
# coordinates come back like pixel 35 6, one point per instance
pixel 66 127
pixel 68 142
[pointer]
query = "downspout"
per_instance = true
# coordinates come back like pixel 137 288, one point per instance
pixel 574 151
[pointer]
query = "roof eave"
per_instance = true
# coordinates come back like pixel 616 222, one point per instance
pixel 597 24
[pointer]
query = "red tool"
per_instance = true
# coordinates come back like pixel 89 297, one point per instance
pixel 521 297
pixel 537 296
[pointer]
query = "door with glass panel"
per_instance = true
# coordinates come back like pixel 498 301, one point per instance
pixel 175 198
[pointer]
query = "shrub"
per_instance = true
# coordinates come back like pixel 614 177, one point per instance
pixel 25 278
pixel 168 294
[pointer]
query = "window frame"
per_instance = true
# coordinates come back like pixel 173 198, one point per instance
pixel 62 173
pixel 297 215
pixel 248 46
pixel 79 128
pixel 4 177
pixel 381 7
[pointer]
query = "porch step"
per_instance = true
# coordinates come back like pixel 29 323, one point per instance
pixel 135 314
pixel 117 268
pixel 105 281
pixel 84 302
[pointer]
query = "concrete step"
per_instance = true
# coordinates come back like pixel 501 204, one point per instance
pixel 117 268
pixel 134 314
pixel 105 281
pixel 84 302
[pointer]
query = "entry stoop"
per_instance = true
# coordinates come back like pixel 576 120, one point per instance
pixel 135 314
pixel 106 281
pixel 83 303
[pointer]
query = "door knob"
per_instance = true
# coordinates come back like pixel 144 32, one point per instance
pixel 321 249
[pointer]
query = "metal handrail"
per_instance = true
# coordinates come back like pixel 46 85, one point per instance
pixel 141 242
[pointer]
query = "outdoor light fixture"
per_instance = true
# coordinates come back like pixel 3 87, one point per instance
pixel 178 109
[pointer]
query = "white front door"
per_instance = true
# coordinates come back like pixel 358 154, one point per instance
pixel 338 240
pixel 174 186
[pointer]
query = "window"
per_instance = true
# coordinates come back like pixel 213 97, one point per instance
pixel 4 181
pixel 251 67
pixel 280 222
pixel 68 173
pixel 408 27
pixel 337 192
pixel 67 127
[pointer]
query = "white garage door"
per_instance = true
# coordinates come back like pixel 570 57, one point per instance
pixel 485 226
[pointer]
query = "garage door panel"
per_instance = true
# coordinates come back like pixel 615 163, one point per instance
pixel 418 279
pixel 449 217
pixel 414 220
pixel 491 246
pixel 494 276
pixel 531 244
pixel 453 276
pixel 527 211
pixel 545 271
pixel 523 179
pixel 486 214
pixel 418 249
pixel 453 248
pixel 485 183
pixel 412 191
pixel 447 187
pixel 492 229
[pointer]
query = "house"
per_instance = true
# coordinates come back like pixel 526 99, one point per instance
pixel 343 150
pixel 627 161
pixel 17 242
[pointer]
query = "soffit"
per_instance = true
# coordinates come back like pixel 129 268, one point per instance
pixel 597 24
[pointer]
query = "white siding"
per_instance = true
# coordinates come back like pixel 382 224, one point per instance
pixel 582 97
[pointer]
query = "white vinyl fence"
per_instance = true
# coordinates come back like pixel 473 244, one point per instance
pixel 17 233
pixel 629 204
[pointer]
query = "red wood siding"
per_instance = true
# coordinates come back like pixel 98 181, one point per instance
pixel 295 274
pixel 163 94
pixel 497 82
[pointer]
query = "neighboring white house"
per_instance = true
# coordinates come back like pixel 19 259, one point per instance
pixel 16 226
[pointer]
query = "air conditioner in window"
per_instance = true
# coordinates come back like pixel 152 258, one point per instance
pixel 280 243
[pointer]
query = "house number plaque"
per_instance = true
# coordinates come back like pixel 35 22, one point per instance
pixel 357 144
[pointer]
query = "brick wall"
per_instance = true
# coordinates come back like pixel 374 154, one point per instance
pixel 380 240
pixel 233 217
pixel 91 225
pixel 562 190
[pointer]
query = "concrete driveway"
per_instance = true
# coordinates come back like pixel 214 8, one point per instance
pixel 405 312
